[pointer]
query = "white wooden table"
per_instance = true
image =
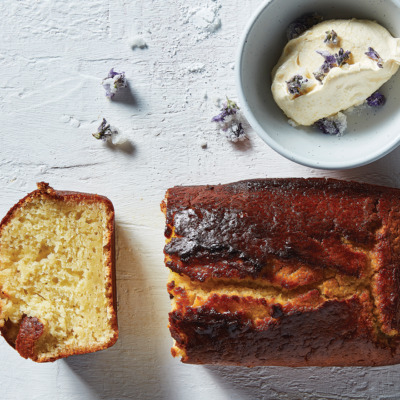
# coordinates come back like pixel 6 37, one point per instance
pixel 53 56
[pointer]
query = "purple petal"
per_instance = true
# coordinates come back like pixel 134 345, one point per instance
pixel 334 125
pixel 330 59
pixel 113 82
pixel 373 55
pixel 218 118
pixel 323 53
pixel 112 73
pixel 326 126
pixel 228 108
pixel 342 57
pixel 331 37
pixel 376 100
pixel 295 83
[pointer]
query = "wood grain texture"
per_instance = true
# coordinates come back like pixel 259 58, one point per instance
pixel 53 56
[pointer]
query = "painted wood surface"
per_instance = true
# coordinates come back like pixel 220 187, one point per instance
pixel 53 56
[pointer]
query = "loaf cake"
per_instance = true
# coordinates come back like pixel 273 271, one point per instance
pixel 57 283
pixel 284 272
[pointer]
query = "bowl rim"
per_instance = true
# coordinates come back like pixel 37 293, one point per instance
pixel 320 164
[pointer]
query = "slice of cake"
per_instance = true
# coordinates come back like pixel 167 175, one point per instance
pixel 57 274
pixel 292 272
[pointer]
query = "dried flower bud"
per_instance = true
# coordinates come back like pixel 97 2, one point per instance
pixel 105 131
pixel 295 85
pixel 334 125
pixel 376 100
pixel 331 38
pixel 331 61
pixel 228 108
pixel 229 121
pixel 114 82
pixel 373 55
pixel 342 57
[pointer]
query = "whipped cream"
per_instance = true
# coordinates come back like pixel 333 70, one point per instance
pixel 342 86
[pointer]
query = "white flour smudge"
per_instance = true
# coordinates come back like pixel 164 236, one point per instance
pixel 137 42
pixel 205 19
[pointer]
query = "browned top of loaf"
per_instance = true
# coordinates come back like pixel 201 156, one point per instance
pixel 232 231
pixel 288 218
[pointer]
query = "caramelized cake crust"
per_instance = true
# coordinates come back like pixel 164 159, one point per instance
pixel 284 272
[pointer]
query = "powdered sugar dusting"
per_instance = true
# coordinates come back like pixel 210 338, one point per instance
pixel 197 68
pixel 357 110
pixel 137 42
pixel 205 19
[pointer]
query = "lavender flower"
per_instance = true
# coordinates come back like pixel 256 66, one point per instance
pixel 229 108
pixel 373 55
pixel 294 85
pixel 300 25
pixel 229 121
pixel 334 125
pixel 342 57
pixel 320 74
pixel 331 61
pixel 105 131
pixel 329 58
pixel 327 126
pixel 376 100
pixel 113 82
pixel 331 38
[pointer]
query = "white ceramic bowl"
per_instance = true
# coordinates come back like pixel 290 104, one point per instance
pixel 369 136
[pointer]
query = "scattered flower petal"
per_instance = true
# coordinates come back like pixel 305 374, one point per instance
pixel 331 38
pixel 331 61
pixel 334 125
pixel 114 82
pixel 228 108
pixel 294 85
pixel 342 57
pixel 329 58
pixel 229 121
pixel 105 131
pixel 373 55
pixel 376 100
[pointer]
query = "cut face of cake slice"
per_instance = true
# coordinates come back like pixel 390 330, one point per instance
pixel 57 274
